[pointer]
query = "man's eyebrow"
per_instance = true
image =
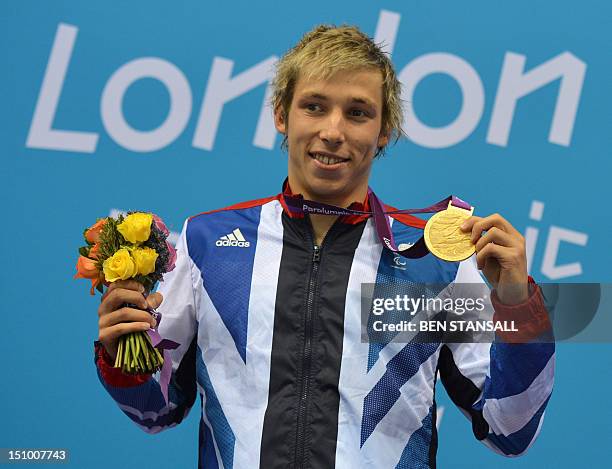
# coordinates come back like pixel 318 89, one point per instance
pixel 363 101
pixel 356 99
pixel 314 95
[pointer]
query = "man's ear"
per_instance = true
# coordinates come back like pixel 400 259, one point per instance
pixel 279 120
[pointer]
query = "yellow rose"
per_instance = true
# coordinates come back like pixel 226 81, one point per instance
pixel 120 266
pixel 136 227
pixel 145 260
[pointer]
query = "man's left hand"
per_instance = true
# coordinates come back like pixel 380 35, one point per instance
pixel 500 254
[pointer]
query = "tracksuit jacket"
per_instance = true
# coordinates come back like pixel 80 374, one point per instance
pixel 270 331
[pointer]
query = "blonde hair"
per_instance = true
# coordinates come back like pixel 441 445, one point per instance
pixel 328 49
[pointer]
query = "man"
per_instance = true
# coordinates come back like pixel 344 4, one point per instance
pixel 265 302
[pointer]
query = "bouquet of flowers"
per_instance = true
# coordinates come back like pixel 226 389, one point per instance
pixel 130 247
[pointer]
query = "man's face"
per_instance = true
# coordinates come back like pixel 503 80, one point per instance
pixel 333 132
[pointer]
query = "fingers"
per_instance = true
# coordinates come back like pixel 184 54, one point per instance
pixel 109 335
pixel 125 284
pixel 113 325
pixel 500 245
pixel 117 297
pixel 126 315
pixel 504 247
pixel 506 257
pixel 117 320
pixel 495 236
pixel 478 224
pixel 490 250
pixel 154 300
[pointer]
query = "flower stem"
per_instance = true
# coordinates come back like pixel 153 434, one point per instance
pixel 118 357
pixel 126 357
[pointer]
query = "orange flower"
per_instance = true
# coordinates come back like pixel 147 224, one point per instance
pixel 94 283
pixel 92 235
pixel 94 251
pixel 86 268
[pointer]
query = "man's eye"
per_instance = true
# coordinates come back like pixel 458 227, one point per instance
pixel 312 107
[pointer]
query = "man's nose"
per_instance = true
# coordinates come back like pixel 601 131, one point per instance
pixel 332 130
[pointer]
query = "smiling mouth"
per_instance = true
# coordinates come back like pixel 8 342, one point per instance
pixel 326 159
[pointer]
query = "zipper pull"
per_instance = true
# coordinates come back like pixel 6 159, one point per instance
pixel 316 255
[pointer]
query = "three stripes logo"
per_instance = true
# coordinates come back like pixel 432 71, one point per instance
pixel 235 238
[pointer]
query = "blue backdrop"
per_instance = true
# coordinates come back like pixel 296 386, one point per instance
pixel 159 106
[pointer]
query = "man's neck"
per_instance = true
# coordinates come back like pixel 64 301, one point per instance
pixel 320 226
pixel 322 223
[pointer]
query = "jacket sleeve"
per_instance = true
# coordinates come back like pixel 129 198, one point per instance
pixel 503 387
pixel 140 397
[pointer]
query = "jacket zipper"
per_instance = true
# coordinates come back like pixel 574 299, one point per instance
pixel 300 447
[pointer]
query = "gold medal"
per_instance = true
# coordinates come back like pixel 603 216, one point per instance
pixel 444 238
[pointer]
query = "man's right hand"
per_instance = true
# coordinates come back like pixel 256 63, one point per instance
pixel 117 320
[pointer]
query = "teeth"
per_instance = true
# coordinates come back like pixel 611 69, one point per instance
pixel 326 159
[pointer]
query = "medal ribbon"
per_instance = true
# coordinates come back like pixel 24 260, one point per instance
pixel 297 204
pixel 165 345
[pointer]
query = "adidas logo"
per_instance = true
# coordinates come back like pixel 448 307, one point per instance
pixel 235 238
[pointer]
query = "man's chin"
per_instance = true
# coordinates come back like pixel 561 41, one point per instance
pixel 329 192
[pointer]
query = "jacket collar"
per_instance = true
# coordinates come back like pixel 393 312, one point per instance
pixel 363 206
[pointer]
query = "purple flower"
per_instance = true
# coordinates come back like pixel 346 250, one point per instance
pixel 160 225
pixel 171 257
